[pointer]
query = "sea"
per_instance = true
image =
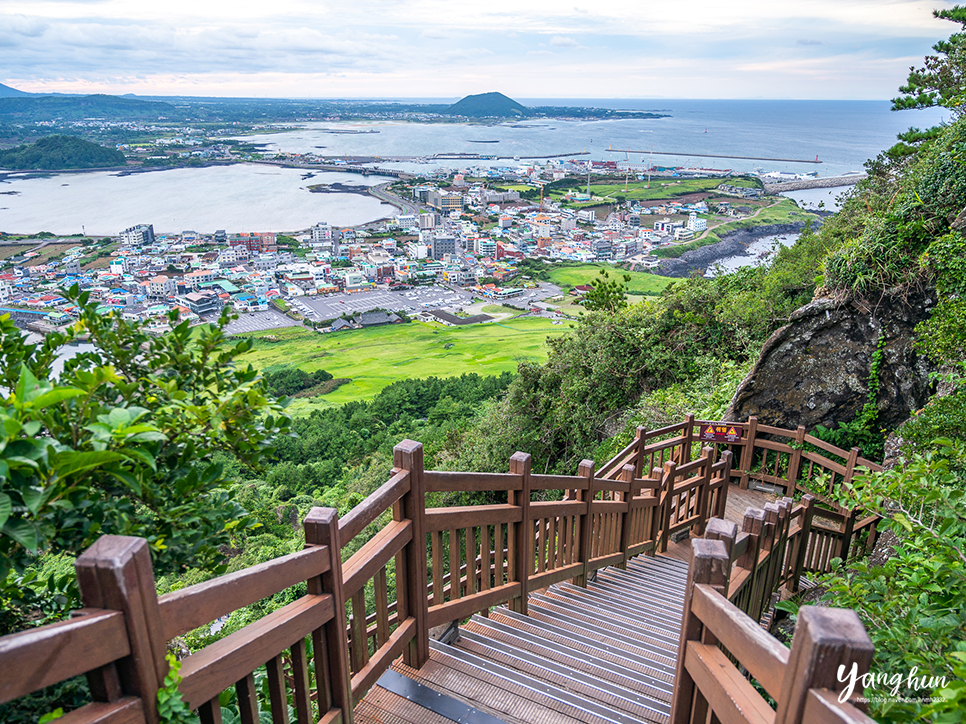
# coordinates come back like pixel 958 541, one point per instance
pixel 831 138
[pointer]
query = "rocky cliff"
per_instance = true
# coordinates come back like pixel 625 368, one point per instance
pixel 815 370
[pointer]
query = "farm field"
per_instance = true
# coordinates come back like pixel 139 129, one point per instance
pixel 376 357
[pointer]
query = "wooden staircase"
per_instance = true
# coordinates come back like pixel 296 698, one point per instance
pixel 605 653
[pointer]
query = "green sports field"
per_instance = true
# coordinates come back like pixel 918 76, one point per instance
pixel 376 357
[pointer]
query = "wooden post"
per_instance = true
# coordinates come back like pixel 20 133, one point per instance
pixel 809 501
pixel 639 447
pixel 521 560
pixel 710 564
pixel 847 527
pixel 408 455
pixel 795 462
pixel 707 454
pixel 748 454
pixel 115 573
pixel 754 524
pixel 584 547
pixel 329 644
pixel 724 530
pixel 627 476
pixel 721 508
pixel 667 492
pixel 850 463
pixel 685 456
pixel 828 642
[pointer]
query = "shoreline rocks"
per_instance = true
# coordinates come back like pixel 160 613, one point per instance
pixel 733 243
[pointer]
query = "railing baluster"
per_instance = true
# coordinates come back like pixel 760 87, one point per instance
pixel 300 677
pixel 276 690
pixel 248 700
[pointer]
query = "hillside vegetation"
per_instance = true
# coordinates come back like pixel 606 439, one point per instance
pixel 60 152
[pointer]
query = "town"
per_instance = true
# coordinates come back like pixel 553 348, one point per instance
pixel 459 236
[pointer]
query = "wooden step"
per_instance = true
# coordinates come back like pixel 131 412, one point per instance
pixel 592 688
pixel 533 689
pixel 620 671
pixel 668 625
pixel 643 585
pixel 658 653
pixel 613 648
pixel 669 606
pixel 595 619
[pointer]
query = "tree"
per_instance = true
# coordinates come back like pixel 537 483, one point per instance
pixel 606 294
pixel 122 441
pixel 942 79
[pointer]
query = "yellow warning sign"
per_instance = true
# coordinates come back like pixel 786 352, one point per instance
pixel 720 432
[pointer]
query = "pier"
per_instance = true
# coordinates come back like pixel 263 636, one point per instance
pixel 829 182
pixel 715 155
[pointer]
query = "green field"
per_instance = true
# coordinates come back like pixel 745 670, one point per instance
pixel 572 276
pixel 376 357
pixel 657 189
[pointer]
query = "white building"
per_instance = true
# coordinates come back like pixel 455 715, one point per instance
pixel 695 224
pixel 321 234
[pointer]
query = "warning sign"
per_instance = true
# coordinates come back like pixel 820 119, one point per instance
pixel 719 432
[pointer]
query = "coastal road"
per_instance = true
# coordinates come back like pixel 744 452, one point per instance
pixel 382 193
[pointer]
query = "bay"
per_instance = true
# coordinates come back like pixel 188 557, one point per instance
pixel 238 197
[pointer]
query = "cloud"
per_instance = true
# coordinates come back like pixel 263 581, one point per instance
pixel 558 41
pixel 809 42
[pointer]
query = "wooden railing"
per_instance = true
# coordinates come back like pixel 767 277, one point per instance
pixel 424 566
pixel 722 649
pixel 803 464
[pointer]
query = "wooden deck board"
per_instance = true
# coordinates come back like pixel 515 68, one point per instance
pixel 384 707
pixel 497 696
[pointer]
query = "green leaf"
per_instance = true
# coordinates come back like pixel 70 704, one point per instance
pixel 50 716
pixel 70 463
pixel 33 498
pixel 58 394
pixel 23 532
pixel 6 507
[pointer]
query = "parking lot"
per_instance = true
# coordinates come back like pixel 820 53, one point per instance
pixel 259 322
pixel 410 301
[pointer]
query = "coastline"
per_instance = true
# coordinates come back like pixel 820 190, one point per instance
pixel 734 243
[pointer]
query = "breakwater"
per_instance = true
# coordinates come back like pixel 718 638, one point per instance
pixel 830 182
pixel 733 243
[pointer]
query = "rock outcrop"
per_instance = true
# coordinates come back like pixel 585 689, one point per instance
pixel 815 370
pixel 734 243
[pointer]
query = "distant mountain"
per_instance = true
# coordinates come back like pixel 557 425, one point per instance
pixel 488 105
pixel 60 152
pixel 8 92
pixel 74 107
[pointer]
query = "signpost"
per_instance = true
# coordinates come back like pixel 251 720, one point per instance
pixel 719 432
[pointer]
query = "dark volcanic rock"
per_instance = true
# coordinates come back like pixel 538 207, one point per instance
pixel 733 243
pixel 815 370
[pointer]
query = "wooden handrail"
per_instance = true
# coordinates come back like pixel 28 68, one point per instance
pixel 708 683
pixel 480 556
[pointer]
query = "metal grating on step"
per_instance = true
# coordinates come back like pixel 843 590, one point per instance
pixel 423 696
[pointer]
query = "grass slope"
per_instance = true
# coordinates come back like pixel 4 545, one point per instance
pixel 376 357
pixel 572 276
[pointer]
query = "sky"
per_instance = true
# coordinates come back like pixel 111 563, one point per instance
pixel 806 49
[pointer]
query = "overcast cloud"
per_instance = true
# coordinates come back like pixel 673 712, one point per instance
pixel 836 49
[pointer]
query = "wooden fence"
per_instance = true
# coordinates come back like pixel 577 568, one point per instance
pixel 790 459
pixel 721 648
pixel 425 566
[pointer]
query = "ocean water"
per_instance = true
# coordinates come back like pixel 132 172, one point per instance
pixel 842 134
